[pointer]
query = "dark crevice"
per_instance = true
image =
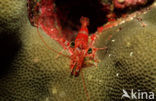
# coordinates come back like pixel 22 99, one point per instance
pixel 70 11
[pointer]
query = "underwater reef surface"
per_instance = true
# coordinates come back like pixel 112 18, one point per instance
pixel 31 72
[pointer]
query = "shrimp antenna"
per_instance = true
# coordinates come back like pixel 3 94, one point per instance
pixel 42 39
pixel 84 86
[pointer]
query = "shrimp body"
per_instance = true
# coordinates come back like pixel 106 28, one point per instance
pixel 81 47
pixel 80 50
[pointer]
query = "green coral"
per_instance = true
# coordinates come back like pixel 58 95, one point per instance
pixel 35 74
pixel 129 63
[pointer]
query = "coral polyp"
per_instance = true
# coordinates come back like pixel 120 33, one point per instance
pixel 128 3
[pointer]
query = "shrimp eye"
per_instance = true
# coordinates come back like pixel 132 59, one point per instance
pixel 89 51
pixel 72 44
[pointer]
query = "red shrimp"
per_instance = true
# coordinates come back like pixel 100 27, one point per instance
pixel 81 50
pixel 81 47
